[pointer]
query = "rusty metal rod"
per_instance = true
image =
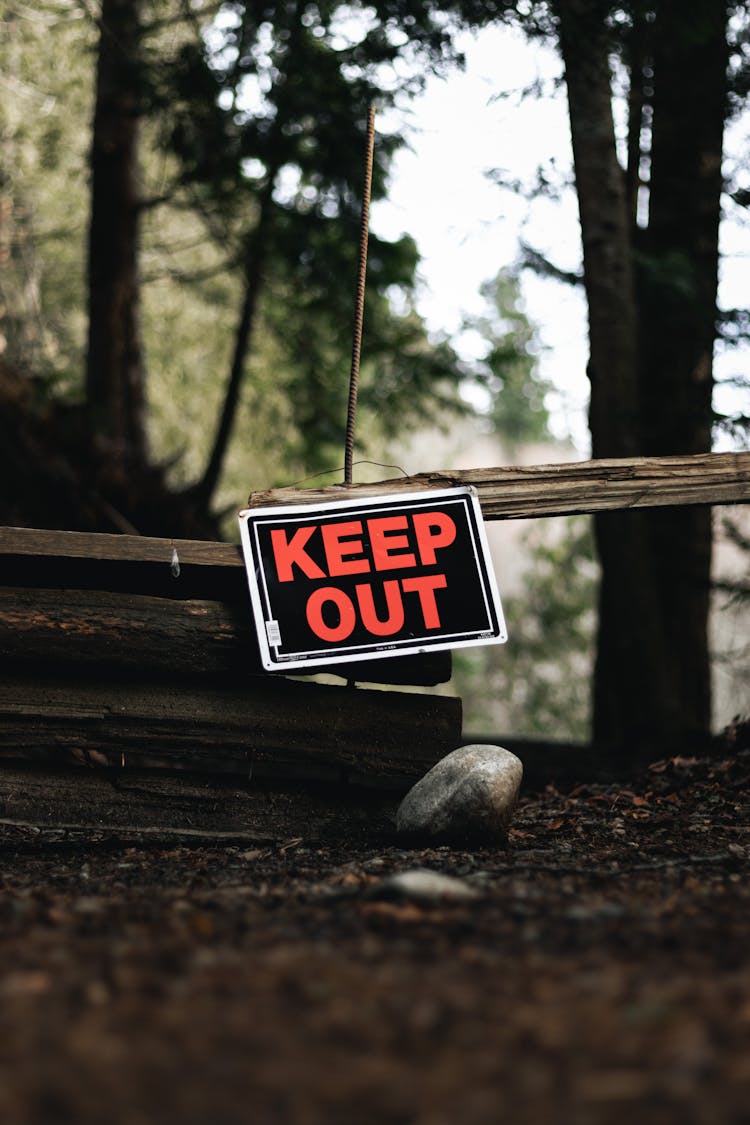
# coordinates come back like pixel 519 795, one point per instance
pixel 359 303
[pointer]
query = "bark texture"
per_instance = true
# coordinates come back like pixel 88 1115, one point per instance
pixel 286 729
pixel 528 491
pixel 632 662
pixel 651 337
pixel 677 300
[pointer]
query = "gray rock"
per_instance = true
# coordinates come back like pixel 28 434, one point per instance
pixel 469 794
pixel 424 886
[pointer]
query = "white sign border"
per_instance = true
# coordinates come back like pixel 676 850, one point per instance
pixel 320 659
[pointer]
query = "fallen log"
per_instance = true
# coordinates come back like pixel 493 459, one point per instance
pixel 281 727
pixel 136 633
pixel 72 809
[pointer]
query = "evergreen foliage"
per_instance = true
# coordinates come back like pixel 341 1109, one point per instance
pixel 273 159
pixel 251 146
pixel 508 369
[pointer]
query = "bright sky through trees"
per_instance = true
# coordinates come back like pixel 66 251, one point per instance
pixel 467 227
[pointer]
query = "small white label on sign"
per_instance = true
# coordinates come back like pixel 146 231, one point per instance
pixel 273 632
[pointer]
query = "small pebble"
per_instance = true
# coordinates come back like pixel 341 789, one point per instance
pixel 420 885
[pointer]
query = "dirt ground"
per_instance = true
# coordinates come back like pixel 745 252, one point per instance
pixel 600 975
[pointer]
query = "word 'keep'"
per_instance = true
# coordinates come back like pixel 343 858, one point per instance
pixel 391 547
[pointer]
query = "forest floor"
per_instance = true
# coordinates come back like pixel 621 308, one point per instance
pixel 600 974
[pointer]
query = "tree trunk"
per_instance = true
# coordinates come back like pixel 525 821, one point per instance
pixel 634 692
pixel 115 376
pixel 651 357
pixel 607 250
pixel 677 291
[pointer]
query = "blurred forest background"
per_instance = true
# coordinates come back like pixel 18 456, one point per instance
pixel 180 190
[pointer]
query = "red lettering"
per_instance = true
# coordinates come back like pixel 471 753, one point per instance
pixel 344 607
pixel 336 551
pixel 426 587
pixel 394 606
pixel 384 545
pixel 434 530
pixel 289 553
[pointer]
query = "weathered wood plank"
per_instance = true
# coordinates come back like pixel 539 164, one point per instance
pixel 513 492
pixel 523 492
pixel 117 548
pixel 196 639
pixel 271 722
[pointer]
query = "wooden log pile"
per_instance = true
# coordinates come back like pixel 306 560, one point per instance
pixel 130 652
pixel 113 658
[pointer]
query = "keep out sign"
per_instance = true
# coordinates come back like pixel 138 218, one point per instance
pixel 380 577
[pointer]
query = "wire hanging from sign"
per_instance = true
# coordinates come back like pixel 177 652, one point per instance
pixel 359 303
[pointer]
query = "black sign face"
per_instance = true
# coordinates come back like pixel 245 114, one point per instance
pixel 341 581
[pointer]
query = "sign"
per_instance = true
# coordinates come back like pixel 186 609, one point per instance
pixel 354 579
